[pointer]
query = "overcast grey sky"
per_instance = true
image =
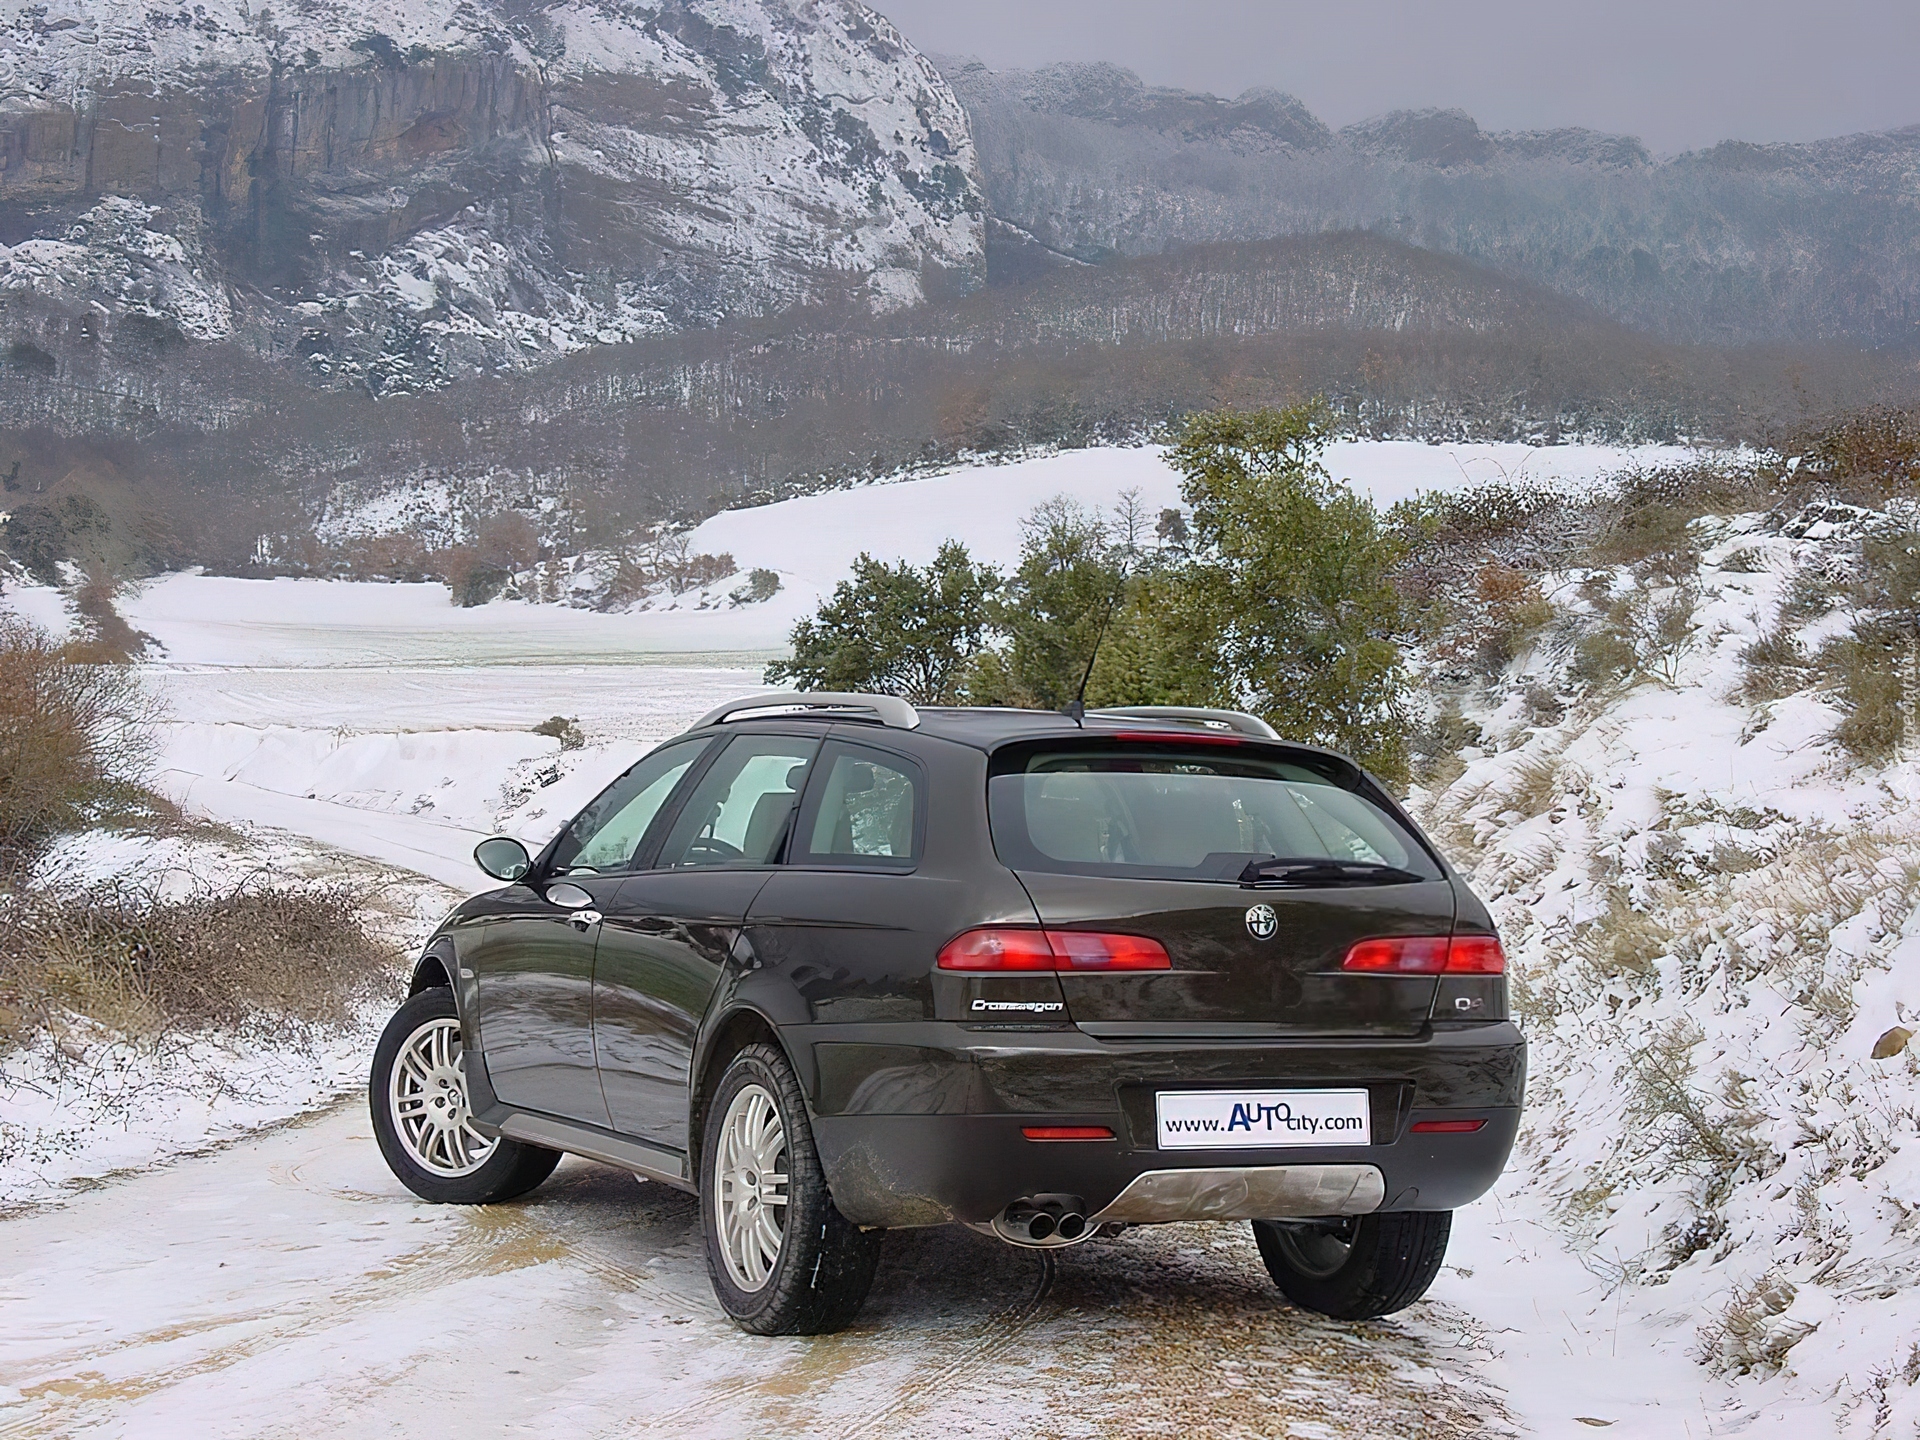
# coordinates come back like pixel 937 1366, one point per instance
pixel 1677 73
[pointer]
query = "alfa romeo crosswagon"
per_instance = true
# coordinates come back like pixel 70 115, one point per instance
pixel 839 966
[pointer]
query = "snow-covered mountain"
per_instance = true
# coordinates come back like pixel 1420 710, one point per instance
pixel 1737 243
pixel 393 195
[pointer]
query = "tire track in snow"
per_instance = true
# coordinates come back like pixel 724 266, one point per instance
pixel 490 1240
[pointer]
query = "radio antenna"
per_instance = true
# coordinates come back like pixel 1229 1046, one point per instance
pixel 1076 708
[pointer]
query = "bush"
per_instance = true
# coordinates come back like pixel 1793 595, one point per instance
pixel 1054 611
pixel 564 729
pixel 1875 667
pixel 109 639
pixel 42 533
pixel 1435 747
pixel 896 629
pixel 1515 612
pixel 1295 569
pixel 761 585
pixel 503 545
pixel 71 739
pixel 252 959
pixel 1872 669
pixel 1878 447
pixel 1603 657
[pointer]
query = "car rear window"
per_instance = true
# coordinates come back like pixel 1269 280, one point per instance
pixel 1166 813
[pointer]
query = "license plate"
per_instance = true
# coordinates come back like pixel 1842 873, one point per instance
pixel 1235 1119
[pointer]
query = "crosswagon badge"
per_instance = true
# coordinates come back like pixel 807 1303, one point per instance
pixel 1262 922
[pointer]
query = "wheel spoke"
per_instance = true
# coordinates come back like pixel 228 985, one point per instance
pixel 767 1235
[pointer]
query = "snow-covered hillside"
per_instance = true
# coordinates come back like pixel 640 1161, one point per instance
pixel 1714 918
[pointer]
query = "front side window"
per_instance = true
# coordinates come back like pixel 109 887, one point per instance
pixel 1164 814
pixel 742 809
pixel 868 811
pixel 606 835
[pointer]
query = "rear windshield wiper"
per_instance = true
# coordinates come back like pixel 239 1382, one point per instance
pixel 1280 870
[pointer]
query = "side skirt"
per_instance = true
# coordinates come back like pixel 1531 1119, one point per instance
pixel 650 1162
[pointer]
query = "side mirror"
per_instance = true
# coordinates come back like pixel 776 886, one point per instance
pixel 503 857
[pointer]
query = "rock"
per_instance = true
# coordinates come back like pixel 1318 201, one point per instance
pixel 386 196
pixel 1892 1043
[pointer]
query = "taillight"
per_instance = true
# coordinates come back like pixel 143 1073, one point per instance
pixel 1010 949
pixel 1428 955
pixel 998 950
pixel 1447 1127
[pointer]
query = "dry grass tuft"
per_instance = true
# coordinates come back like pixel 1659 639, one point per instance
pixel 1535 784
pixel 1751 1337
pixel 1774 666
pixel 1622 943
pixel 141 966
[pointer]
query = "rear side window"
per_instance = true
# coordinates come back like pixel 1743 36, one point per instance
pixel 868 810
pixel 1161 813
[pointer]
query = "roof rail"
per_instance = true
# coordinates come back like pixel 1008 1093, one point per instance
pixel 889 710
pixel 1234 720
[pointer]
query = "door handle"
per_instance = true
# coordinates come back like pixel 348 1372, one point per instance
pixel 582 920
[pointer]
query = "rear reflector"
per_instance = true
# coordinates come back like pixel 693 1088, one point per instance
pixel 1428 955
pixel 1066 1132
pixel 1446 1127
pixel 1010 949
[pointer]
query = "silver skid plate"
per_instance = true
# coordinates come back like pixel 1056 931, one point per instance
pixel 1248 1192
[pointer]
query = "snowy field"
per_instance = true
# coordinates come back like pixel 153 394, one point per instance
pixel 286 1285
pixel 810 543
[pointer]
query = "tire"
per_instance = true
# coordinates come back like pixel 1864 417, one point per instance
pixel 1356 1269
pixel 821 1266
pixel 420 1114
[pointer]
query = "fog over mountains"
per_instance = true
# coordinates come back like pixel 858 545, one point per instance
pixel 1733 244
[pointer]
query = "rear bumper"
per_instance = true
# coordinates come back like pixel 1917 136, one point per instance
pixel 922 1124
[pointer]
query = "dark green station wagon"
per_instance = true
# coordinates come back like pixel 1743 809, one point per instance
pixel 840 966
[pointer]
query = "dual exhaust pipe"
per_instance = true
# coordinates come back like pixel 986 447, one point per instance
pixel 1044 1220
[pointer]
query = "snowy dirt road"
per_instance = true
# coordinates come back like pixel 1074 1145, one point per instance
pixel 288 1286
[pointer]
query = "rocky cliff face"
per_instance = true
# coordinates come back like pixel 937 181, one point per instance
pixel 1734 244
pixel 395 196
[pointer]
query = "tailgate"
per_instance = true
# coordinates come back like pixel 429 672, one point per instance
pixel 1231 976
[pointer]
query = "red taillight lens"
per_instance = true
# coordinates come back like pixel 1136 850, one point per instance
pixel 1428 955
pixel 1066 1132
pixel 1446 1127
pixel 998 950
pixel 1475 955
pixel 1008 949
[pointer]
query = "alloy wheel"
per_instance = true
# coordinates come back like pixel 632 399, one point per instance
pixel 428 1096
pixel 750 1189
